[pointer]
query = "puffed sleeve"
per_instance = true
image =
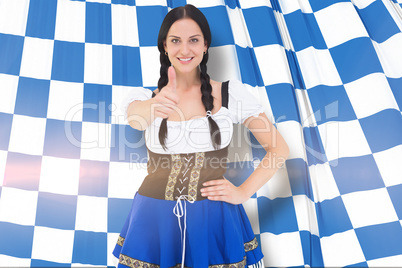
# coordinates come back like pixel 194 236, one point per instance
pixel 243 101
pixel 138 93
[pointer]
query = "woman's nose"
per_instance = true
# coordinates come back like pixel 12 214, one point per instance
pixel 184 49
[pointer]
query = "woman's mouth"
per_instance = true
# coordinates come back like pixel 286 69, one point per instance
pixel 185 60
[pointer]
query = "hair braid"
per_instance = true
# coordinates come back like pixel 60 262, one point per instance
pixel 208 101
pixel 163 81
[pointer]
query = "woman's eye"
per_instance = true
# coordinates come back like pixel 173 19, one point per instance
pixel 194 40
pixel 175 41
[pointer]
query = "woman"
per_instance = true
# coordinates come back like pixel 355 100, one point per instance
pixel 186 214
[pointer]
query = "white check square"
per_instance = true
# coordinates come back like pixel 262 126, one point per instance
pixel 98 64
pixel 27 135
pixel 95 141
pixel 273 65
pixel 65 101
pixel 18 206
pixel 367 208
pixel 239 28
pixel 390 55
pixel 37 58
pixel 370 95
pixel 341 249
pixel 8 93
pixel 125 178
pixel 343 139
pixel 150 66
pixel 340 23
pixel 389 164
pixel 53 244
pixel 323 182
pixel 13 17
pixel 59 175
pixel 317 67
pixel 124 25
pixel 70 21
pixel 306 214
pixel 91 214
pixel 283 250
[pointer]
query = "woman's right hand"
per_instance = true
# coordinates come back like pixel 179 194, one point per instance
pixel 167 98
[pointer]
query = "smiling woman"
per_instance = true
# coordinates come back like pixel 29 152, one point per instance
pixel 186 213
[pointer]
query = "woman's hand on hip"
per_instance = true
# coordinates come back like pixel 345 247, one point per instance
pixel 223 190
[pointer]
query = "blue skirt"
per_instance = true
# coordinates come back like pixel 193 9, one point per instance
pixel 210 233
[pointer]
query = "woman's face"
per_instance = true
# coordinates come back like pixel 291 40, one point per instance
pixel 185 45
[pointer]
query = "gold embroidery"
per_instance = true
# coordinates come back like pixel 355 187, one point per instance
pixel 195 175
pixel 240 264
pixel 177 163
pixel 120 241
pixel 133 263
pixel 253 244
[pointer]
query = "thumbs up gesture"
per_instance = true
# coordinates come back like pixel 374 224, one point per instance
pixel 167 99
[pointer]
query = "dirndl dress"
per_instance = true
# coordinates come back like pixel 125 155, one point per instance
pixel 171 225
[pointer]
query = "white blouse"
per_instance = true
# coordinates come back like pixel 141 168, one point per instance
pixel 193 135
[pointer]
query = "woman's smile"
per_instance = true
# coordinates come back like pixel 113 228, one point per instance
pixel 185 46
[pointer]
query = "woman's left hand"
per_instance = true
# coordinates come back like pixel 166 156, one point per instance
pixel 224 190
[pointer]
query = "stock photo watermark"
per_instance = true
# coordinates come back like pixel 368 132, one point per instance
pixel 107 137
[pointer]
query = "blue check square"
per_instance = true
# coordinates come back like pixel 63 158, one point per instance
pixel 283 102
pixel 355 58
pixel 311 247
pixel 14 236
pixel 332 217
pixel 330 103
pixel 277 216
pixel 98 24
pixel 261 25
pixel 32 97
pixel 149 20
pixel 396 85
pixel 63 139
pixel 126 66
pixel 5 130
pixel 378 21
pixel 68 61
pixel 26 178
pixel 94 183
pixel 383 130
pixel 354 174
pixel 379 241
pixel 56 211
pixel 118 210
pixel 42 18
pixel 97 103
pixel 219 23
pixel 299 177
pixel 11 47
pixel 90 248
pixel 395 193
pixel 304 30
pixel 250 72
pixel 127 145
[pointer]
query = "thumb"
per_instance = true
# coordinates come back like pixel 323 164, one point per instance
pixel 172 77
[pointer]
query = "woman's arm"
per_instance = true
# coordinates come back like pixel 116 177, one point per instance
pixel 139 114
pixel 277 152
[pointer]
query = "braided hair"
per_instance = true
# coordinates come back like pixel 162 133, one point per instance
pixel 188 11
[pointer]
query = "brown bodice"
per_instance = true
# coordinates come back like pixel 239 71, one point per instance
pixel 172 175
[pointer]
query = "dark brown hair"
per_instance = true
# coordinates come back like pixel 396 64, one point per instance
pixel 191 12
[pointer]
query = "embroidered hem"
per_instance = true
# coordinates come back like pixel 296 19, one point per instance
pixel 253 244
pixel 134 263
